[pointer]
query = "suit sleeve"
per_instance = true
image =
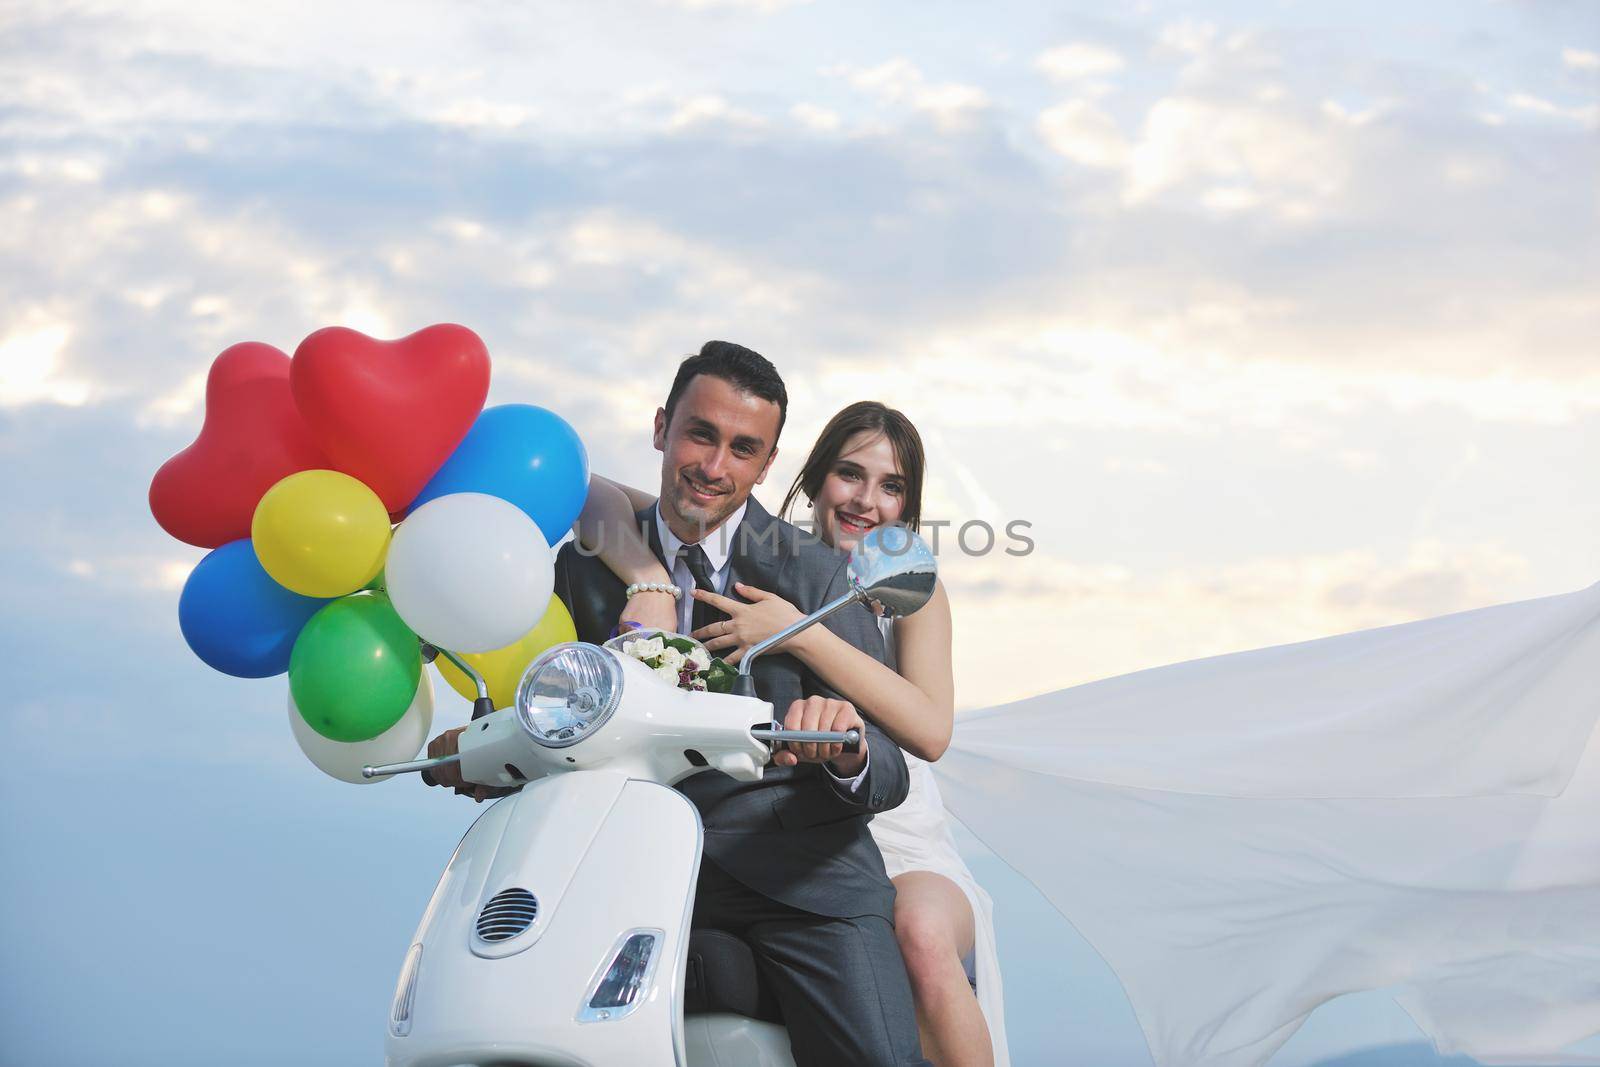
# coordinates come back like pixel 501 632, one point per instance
pixel 563 586
pixel 887 780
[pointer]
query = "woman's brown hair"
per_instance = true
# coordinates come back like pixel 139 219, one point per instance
pixel 878 419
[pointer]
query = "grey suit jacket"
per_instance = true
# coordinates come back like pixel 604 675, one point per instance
pixel 796 836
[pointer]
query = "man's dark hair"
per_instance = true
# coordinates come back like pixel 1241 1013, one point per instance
pixel 743 368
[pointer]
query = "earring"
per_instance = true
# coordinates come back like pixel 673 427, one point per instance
pixel 809 504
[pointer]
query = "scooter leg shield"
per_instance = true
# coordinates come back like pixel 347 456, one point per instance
pixel 557 934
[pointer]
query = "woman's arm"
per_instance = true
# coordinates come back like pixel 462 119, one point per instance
pixel 608 527
pixel 638 499
pixel 915 707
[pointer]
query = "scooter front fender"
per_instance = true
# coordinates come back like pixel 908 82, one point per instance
pixel 529 914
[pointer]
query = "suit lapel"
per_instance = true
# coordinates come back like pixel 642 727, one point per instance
pixel 756 558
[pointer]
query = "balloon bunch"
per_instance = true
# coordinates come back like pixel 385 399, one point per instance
pixel 300 469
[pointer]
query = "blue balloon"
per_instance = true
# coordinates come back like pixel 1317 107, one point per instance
pixel 236 618
pixel 521 453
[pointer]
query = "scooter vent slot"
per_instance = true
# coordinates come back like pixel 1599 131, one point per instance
pixel 508 913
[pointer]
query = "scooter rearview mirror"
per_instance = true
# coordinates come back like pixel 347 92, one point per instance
pixel 895 567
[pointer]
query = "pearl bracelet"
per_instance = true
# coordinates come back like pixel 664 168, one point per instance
pixel 653 587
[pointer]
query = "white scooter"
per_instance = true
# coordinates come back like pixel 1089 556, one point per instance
pixel 559 933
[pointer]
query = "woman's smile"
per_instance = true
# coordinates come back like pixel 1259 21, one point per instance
pixel 851 523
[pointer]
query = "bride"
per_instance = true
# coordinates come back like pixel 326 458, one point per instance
pixel 866 469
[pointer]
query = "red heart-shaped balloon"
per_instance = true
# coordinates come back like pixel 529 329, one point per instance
pixel 252 437
pixel 390 412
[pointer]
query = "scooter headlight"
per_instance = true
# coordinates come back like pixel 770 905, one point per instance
pixel 568 693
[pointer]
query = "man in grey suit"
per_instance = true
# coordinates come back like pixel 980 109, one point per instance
pixel 789 865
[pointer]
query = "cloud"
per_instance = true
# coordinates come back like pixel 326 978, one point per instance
pixel 1084 134
pixel 951 105
pixel 1587 115
pixel 478 112
pixel 1290 161
pixel 206 229
pixel 162 573
pixel 1188 368
pixel 1188 36
pixel 1580 59
pixel 711 108
pixel 815 118
pixel 30 363
pixel 1239 150
pixel 140 289
pixel 1070 62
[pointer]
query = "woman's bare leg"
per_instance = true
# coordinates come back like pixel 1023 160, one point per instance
pixel 933 923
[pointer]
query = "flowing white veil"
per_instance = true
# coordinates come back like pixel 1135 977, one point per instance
pixel 1415 807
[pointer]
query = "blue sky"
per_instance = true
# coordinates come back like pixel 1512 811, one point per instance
pixel 1275 319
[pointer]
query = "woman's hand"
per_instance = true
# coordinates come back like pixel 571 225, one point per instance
pixel 653 611
pixel 747 624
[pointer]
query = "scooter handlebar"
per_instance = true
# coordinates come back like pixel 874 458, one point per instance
pixel 850 739
pixel 386 769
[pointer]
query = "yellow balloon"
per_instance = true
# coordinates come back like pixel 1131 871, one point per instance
pixel 502 669
pixel 321 533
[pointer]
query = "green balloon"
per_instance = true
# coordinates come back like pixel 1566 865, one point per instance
pixel 354 669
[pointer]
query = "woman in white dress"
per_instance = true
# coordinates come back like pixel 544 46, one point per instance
pixel 866 469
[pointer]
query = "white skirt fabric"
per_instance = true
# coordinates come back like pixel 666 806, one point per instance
pixel 916 837
pixel 1242 838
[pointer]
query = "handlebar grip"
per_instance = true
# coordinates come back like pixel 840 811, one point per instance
pixel 776 734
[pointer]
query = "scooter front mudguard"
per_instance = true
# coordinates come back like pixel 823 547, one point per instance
pixel 544 891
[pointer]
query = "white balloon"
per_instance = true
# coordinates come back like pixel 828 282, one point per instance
pixel 469 572
pixel 399 743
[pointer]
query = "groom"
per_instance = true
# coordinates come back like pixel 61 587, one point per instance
pixel 789 864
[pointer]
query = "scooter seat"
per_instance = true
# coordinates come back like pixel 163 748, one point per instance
pixel 723 976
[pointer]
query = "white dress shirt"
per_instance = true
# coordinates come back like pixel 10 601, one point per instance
pixel 718 547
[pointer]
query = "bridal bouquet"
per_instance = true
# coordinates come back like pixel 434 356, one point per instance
pixel 676 660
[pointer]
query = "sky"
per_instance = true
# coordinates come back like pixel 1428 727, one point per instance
pixel 1273 320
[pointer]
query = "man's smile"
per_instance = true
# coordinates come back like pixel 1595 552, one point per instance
pixel 701 493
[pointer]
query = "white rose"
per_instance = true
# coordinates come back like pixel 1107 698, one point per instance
pixel 631 648
pixel 667 674
pixel 651 648
pixel 671 657
pixel 699 658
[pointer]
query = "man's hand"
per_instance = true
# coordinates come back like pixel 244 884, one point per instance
pixel 821 713
pixel 447 744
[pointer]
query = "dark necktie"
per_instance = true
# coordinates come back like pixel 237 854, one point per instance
pixel 700 567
